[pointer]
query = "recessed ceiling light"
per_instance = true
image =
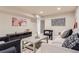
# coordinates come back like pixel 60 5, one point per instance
pixel 41 12
pixel 58 8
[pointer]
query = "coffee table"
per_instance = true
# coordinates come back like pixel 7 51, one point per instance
pixel 32 40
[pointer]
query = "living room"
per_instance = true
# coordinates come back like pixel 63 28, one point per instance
pixel 15 20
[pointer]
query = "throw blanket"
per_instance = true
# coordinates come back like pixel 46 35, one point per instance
pixel 71 41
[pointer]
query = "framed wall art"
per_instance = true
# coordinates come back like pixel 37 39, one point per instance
pixel 58 22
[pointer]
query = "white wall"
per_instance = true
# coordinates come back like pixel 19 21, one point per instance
pixel 69 23
pixel 6 24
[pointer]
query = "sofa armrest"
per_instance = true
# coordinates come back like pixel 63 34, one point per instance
pixel 15 43
pixel 9 50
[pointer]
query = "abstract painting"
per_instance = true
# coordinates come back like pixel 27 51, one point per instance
pixel 18 21
pixel 58 22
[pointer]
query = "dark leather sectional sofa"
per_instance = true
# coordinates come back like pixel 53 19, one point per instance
pixel 12 42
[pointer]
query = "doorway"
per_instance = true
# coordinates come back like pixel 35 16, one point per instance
pixel 42 25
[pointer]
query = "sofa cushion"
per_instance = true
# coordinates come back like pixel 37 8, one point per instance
pixel 66 33
pixel 9 50
pixel 15 43
pixel 71 41
pixel 2 42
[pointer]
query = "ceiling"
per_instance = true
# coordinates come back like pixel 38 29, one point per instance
pixel 35 10
pixel 47 10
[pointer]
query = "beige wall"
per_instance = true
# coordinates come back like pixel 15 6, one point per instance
pixel 69 23
pixel 6 27
pixel 77 15
pixel 5 23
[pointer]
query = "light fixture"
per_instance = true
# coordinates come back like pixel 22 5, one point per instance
pixel 41 12
pixel 58 8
